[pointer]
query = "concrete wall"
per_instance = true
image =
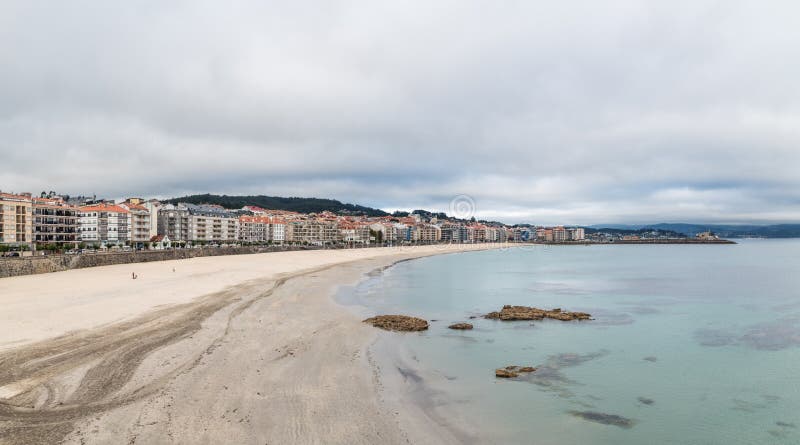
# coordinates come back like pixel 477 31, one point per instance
pixel 12 267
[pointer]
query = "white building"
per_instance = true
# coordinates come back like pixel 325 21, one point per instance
pixel 277 229
pixel 153 206
pixel 104 224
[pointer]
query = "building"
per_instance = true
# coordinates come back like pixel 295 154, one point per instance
pixel 403 232
pixel 140 221
pixel 352 232
pixel 160 242
pixel 277 228
pixel 198 223
pixel 173 221
pixel 153 206
pixel 706 236
pixel 522 234
pixel 16 223
pixel 577 234
pixel 559 234
pixel 312 232
pixel 255 210
pixel 427 233
pixel 55 222
pixel 454 233
pixel 254 229
pixel 211 223
pixel 385 232
pixel 104 224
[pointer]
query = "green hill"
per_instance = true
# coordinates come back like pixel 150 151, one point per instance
pixel 294 204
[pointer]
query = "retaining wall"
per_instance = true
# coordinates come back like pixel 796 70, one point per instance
pixel 12 267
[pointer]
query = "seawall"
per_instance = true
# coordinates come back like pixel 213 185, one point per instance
pixel 12 267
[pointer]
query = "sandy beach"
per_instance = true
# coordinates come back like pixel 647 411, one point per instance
pixel 247 349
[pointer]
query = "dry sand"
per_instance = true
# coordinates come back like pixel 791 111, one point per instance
pixel 245 349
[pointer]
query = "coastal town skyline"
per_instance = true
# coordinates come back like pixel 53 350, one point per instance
pixel 474 210
pixel 59 223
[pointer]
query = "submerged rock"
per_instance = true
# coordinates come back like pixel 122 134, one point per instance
pixel 604 418
pixel 462 326
pixel 509 313
pixel 512 371
pixel 398 323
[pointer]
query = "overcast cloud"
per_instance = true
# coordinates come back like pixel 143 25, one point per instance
pixel 545 112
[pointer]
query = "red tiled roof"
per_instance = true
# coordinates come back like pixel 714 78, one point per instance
pixel 13 196
pixel 104 208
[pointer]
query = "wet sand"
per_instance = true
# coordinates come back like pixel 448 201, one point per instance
pixel 241 349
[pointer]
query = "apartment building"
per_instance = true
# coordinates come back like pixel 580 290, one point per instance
pixel 153 206
pixel 140 221
pixel 312 232
pixel 355 233
pixel 453 233
pixel 16 223
pixel 55 222
pixel 211 223
pixel 560 234
pixel 427 233
pixel 403 232
pixel 254 229
pixel 173 222
pixel 277 227
pixel 491 234
pixel 479 234
pixel 105 224
pixel 386 231
pixel 577 234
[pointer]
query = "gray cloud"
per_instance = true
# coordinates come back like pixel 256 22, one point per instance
pixel 576 112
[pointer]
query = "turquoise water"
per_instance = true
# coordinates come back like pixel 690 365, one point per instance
pixel 691 344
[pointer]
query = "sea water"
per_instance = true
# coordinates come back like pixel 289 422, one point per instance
pixel 689 344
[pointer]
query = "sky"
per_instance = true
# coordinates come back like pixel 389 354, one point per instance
pixel 571 112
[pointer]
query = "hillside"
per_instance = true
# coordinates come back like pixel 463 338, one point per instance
pixel 294 204
pixel 723 230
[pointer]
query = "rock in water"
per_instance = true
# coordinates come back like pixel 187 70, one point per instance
pixel 512 371
pixel 462 326
pixel 505 373
pixel 398 323
pixel 510 313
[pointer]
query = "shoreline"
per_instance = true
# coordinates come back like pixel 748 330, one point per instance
pixel 44 264
pixel 274 352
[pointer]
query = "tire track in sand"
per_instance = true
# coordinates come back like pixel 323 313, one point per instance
pixel 43 411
